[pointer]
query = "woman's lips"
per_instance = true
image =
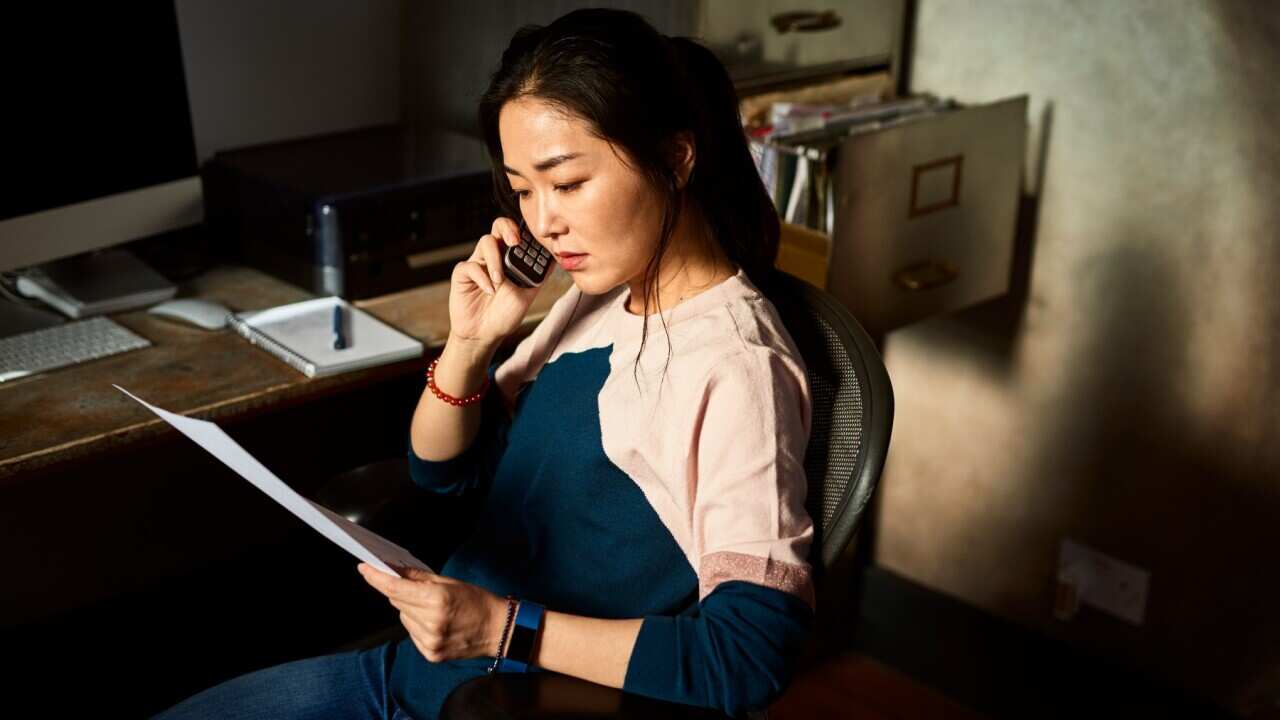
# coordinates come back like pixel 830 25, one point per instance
pixel 571 261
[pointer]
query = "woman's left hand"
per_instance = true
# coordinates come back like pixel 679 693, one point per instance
pixel 447 619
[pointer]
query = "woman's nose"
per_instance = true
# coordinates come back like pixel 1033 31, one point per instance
pixel 542 224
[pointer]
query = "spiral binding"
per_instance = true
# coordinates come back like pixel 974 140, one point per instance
pixel 277 349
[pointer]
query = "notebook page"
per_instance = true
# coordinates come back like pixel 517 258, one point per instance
pixel 306 328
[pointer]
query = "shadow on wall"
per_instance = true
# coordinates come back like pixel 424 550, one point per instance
pixel 1119 447
pixel 1131 467
pixel 1254 663
pixel 1144 420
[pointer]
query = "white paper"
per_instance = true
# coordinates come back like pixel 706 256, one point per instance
pixel 365 545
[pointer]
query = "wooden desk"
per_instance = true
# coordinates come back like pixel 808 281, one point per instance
pixel 100 499
pixel 74 414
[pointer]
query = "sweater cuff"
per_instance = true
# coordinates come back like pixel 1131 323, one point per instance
pixel 735 652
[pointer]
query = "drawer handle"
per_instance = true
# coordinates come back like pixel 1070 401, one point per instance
pixel 805 21
pixel 925 275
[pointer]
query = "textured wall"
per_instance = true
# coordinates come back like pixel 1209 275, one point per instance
pixel 1128 394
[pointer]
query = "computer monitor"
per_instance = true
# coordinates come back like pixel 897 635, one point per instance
pixel 97 146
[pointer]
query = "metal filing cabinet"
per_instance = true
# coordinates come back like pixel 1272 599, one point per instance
pixel 921 208
pixel 925 213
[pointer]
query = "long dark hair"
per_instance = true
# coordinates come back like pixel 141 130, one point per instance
pixel 636 89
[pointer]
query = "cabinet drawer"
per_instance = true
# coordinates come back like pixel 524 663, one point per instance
pixel 925 213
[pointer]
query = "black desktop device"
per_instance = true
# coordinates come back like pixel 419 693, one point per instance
pixel 349 214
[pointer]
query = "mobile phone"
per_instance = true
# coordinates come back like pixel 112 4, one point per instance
pixel 528 263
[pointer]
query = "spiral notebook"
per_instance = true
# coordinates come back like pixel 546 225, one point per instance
pixel 301 334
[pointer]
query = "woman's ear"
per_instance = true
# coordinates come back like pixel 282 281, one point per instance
pixel 682 156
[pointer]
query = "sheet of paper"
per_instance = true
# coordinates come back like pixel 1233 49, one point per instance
pixel 365 545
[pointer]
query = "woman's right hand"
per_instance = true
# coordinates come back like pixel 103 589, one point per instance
pixel 484 306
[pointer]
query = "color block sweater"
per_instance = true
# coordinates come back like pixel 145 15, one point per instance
pixel 671 491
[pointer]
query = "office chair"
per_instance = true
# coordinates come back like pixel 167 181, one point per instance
pixel 852 415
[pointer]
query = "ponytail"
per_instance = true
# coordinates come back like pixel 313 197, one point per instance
pixel 728 188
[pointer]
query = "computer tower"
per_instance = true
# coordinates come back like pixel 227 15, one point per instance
pixel 352 214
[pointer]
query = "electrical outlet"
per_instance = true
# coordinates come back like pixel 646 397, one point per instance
pixel 1104 582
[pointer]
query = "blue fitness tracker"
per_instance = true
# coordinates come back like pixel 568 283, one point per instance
pixel 524 636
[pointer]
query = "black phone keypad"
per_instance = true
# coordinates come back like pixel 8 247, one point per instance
pixel 528 263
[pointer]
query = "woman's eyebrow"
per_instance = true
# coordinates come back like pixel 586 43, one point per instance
pixel 544 165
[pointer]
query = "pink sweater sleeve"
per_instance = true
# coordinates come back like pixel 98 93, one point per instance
pixel 749 519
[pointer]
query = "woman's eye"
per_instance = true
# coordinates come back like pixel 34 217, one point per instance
pixel 565 188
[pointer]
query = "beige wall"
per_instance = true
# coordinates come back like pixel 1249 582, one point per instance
pixel 1130 397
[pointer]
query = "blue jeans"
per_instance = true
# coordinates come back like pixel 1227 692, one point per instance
pixel 347 685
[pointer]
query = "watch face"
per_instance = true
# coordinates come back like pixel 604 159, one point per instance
pixel 521 646
pixel 524 634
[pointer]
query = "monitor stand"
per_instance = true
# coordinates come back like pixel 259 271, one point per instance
pixel 96 283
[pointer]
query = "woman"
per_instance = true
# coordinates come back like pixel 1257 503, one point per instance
pixel 640 452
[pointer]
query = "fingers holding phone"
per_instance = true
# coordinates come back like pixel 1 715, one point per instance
pixel 527 262
pixel 485 304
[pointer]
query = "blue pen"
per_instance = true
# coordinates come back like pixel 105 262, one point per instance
pixel 339 338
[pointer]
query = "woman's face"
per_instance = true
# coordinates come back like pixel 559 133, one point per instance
pixel 577 195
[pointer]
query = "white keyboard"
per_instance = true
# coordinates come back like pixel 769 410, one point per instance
pixel 67 344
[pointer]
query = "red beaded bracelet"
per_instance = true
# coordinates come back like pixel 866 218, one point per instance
pixel 468 400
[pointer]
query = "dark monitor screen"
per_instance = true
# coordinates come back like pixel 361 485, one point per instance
pixel 95 102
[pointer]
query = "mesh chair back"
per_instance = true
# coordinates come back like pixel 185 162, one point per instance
pixel 852 411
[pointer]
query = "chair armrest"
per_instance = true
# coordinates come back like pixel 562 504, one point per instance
pixel 383 498
pixel 362 494
pixel 546 696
